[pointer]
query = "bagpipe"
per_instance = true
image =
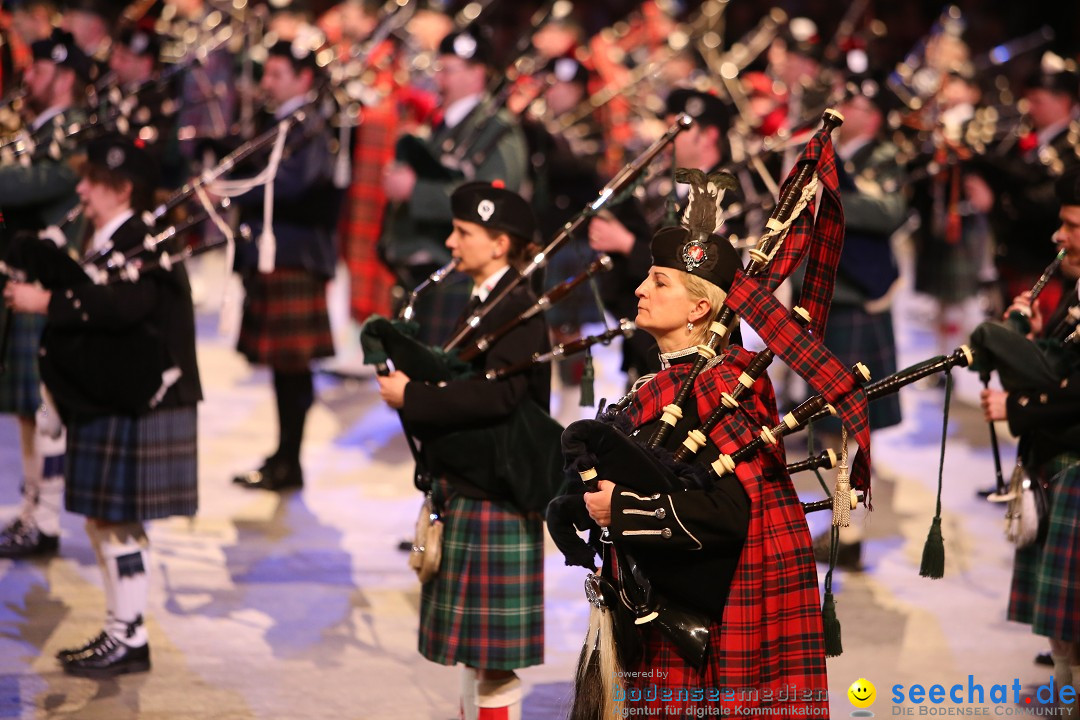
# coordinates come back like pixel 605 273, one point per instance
pixel 515 459
pixel 53 141
pixel 136 385
pixel 521 455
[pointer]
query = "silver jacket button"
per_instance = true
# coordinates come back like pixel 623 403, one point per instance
pixel 660 513
pixel 666 533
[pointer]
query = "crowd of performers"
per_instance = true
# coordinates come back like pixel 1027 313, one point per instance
pixel 694 178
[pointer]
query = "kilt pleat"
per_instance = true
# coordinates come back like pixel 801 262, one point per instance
pixel 20 383
pixel 125 469
pixel 1046 582
pixel 286 324
pixel 854 335
pixel 486 607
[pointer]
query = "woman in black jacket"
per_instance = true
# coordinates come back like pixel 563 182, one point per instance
pixel 485 608
pixel 119 362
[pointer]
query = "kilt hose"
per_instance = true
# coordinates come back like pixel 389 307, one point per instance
pixel 286 324
pixel 128 469
pixel 1045 589
pixel 486 606
pixel 20 383
pixel 855 335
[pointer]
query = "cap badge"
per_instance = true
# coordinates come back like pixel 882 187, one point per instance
pixel 139 43
pixel 485 209
pixel 58 54
pixel 693 254
pixel 565 69
pixel 465 46
pixel 114 158
pixel 695 106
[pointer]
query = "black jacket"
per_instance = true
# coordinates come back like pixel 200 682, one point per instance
pixel 437 410
pixel 105 347
pixel 306 203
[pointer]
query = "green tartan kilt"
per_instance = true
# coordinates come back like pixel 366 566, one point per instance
pixel 486 606
pixel 1045 589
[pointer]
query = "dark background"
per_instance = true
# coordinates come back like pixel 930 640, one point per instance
pixel 988 22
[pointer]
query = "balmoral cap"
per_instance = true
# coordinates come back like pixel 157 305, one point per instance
pixel 495 207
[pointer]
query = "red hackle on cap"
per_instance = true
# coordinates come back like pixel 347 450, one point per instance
pixel 498 184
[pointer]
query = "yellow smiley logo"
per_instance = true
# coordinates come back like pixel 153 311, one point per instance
pixel 862 693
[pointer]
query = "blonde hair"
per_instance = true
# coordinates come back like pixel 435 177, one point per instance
pixel 699 289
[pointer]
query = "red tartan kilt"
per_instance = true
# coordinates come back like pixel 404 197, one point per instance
pixel 286 324
pixel 668 687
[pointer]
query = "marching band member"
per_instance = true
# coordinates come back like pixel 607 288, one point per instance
pixel 1046 577
pixel 130 458
pixel 32 197
pixel 413 231
pixel 707 550
pixel 145 103
pixel 484 609
pixel 286 324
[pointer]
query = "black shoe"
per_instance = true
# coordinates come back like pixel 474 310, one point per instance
pixel 405 546
pixel 108 659
pixel 1044 658
pixel 20 540
pixel 72 653
pixel 986 492
pixel 273 476
pixel 245 478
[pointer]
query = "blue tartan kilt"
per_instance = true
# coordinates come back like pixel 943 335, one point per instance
pixel 127 469
pixel 486 606
pixel 1045 589
pixel 854 335
pixel 20 383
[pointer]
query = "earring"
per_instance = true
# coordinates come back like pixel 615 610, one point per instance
pixel 689 328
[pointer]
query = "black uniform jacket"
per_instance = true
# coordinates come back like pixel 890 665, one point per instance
pixel 306 202
pixel 1047 419
pixel 433 409
pixel 105 347
pixel 688 545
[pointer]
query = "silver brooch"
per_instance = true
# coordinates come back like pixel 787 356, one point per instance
pixel 693 254
pixel 485 209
